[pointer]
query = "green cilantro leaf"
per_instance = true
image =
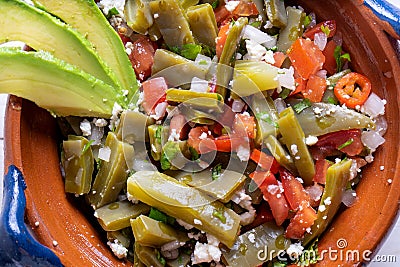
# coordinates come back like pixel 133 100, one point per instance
pixel 325 29
pixel 87 146
pixel 307 20
pixel 347 143
pixel 299 107
pixel 216 171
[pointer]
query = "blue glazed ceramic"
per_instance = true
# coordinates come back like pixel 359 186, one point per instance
pixel 386 11
pixel 16 243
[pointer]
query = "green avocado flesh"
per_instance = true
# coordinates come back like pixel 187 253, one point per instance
pixel 85 17
pixel 55 85
pixel 41 31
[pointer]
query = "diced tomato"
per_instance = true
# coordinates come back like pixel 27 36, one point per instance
pixel 142 57
pixel 178 123
pixel 321 167
pixel 306 58
pixel 265 161
pixel 221 39
pixel 227 117
pixel 225 143
pixel 195 138
pixel 315 192
pixel 279 58
pixel 330 61
pixel 294 190
pixel 315 88
pixel 347 141
pixel 263 215
pixel 244 125
pixel 298 225
pixel 271 190
pixel 245 9
pixel 330 25
pixel 124 38
pixel 221 14
pixel 300 85
pixel 154 92
pixel 216 129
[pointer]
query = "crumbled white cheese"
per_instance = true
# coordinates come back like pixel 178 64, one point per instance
pixel 184 224
pixel 382 167
pixel 272 189
pixel 114 120
pixel 203 136
pixel 198 222
pixel 294 149
pixel 85 127
pixel 207 252
pixel 231 5
pixel 300 180
pixel 252 238
pixel 118 249
pixel 255 51
pixel 295 250
pixel 174 136
pixel 243 153
pixel 322 208
pixel 286 79
pixel 107 5
pixel 37 224
pixel 327 201
pixel 104 153
pixel 389 181
pixel 100 122
pixel 311 140
pixel 132 198
pixel 243 200
pixel 55 243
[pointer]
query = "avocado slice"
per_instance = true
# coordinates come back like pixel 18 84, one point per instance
pixel 85 17
pixel 55 85
pixel 41 31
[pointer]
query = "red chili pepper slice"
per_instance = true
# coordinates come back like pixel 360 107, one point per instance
pixel 353 89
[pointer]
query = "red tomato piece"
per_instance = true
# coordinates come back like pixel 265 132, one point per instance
pixel 315 88
pixel 353 89
pixel 197 136
pixel 326 26
pixel 245 9
pixel 221 39
pixel 306 57
pixel 300 85
pixel 294 190
pixel 347 141
pixel 142 57
pixel 330 61
pixel 271 190
pixel 298 225
pixel 222 14
pixel 321 167
pixel 154 92
pixel 178 123
pixel 244 125
pixel 279 58
pixel 225 143
pixel 265 161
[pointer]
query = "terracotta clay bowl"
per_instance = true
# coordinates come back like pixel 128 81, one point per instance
pixel 32 142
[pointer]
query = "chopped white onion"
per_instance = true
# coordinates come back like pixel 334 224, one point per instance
pixel 321 73
pixel 231 5
pixel 258 36
pixel 313 20
pixel 286 78
pixel 237 105
pixel 320 40
pixel 374 106
pixel 104 153
pixel 203 61
pixel 349 197
pixel 255 51
pixel 199 85
pixel 372 139
pixel 381 125
pixel 280 104
pixel 97 135
pixel 160 110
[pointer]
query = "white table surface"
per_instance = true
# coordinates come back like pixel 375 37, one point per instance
pixel 389 247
